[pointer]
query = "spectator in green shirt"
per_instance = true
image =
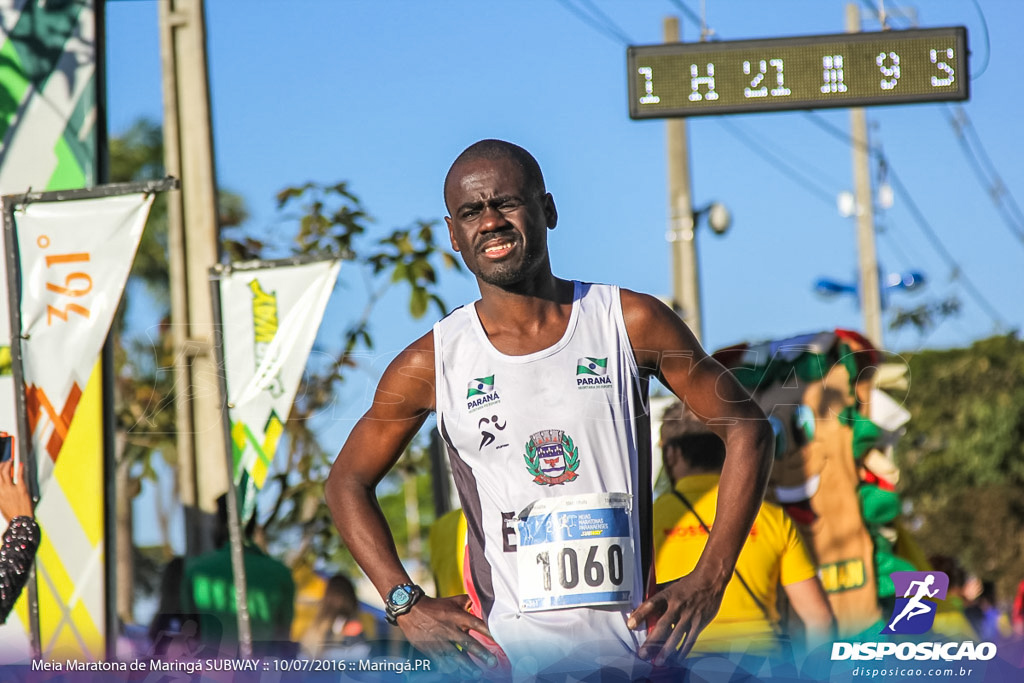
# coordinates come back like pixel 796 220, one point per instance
pixel 208 590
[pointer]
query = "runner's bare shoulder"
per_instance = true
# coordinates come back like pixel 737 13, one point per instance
pixel 407 386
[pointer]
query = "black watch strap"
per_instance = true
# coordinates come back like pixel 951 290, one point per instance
pixel 400 600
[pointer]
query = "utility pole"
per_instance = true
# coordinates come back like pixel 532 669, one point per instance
pixel 870 299
pixel 685 277
pixel 193 249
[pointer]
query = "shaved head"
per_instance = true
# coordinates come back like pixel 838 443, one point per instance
pixel 495 150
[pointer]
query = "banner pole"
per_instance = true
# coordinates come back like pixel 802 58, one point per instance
pixel 28 464
pixel 111 617
pixel 234 526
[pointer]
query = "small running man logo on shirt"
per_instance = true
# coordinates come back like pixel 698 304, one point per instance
pixel 916 596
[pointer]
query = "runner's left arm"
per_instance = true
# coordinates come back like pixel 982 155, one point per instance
pixel 665 348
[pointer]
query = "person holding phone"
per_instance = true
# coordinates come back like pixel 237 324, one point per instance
pixel 21 539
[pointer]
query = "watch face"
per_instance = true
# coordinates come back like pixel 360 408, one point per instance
pixel 400 596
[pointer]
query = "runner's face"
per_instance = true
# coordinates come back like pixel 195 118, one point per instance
pixel 497 222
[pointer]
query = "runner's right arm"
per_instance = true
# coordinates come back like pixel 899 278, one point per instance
pixel 404 399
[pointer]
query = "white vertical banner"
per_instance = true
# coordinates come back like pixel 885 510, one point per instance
pixel 270 315
pixel 75 257
pixel 72 262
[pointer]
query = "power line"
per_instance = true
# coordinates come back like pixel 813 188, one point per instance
pixel 997 190
pixel 941 249
pixel 600 21
pixel 894 245
pixel 913 23
pixel 608 21
pixel 835 131
pixel 988 42
pixel 805 181
pixel 919 218
pixel 691 15
pixel 884 225
pixel 610 30
pixel 977 157
pixel 879 14
pixel 988 176
pixel 893 10
pixel 608 27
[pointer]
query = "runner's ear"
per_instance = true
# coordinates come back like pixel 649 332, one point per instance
pixel 550 212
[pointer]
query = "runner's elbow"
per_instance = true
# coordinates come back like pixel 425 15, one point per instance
pixel 338 482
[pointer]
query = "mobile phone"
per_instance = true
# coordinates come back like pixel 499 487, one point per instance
pixel 6 446
pixel 8 452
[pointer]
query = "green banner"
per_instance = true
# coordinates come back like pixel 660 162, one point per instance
pixel 48 131
pixel 47 95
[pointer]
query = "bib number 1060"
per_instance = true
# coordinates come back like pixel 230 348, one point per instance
pixel 594 569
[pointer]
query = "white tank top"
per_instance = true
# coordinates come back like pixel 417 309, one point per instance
pixel 551 456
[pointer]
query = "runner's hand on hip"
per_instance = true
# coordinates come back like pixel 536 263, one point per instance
pixel 439 627
pixel 683 608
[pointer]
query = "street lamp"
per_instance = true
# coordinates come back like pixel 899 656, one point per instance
pixel 907 280
pixel 686 278
pixel 719 218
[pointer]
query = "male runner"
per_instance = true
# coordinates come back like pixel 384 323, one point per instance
pixel 558 504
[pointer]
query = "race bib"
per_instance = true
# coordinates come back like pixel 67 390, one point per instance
pixel 575 551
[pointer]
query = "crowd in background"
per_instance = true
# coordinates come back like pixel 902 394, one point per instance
pixel 780 598
pixel 323 616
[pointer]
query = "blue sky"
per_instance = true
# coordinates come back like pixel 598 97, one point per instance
pixel 384 94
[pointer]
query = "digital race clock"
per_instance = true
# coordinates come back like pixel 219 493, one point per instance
pixel 803 72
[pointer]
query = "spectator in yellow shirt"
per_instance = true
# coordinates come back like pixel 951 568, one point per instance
pixel 774 553
pixel 447 553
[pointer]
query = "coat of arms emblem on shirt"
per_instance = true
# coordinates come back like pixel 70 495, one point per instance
pixel 551 457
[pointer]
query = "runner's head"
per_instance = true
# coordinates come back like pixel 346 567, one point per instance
pixel 495 150
pixel 499 213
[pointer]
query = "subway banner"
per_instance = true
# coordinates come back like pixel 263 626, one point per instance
pixel 270 313
pixel 48 116
pixel 73 259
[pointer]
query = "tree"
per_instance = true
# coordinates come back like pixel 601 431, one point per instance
pixel 329 219
pixel 141 433
pixel 924 317
pixel 143 408
pixel 962 458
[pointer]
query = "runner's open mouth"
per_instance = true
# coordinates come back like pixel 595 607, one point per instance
pixel 498 249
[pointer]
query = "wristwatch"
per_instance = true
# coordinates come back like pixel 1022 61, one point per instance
pixel 400 600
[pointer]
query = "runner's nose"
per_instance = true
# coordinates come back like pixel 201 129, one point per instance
pixel 491 219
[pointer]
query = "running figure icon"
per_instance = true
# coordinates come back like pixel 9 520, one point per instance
pixel 915 606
